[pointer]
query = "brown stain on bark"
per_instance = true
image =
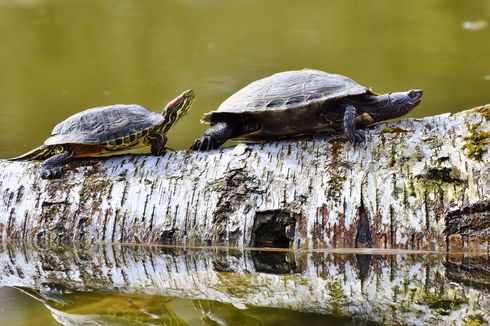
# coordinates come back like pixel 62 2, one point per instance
pixel 455 242
pixel 349 239
pixel 469 226
pixel 378 232
pixel 301 230
pixel 340 231
pixel 322 228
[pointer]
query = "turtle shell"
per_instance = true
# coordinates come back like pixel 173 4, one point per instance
pixel 286 104
pixel 97 125
pixel 287 90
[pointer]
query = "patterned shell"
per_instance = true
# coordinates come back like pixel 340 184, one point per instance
pixel 105 123
pixel 288 90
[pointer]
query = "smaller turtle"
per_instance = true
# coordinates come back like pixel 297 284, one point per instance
pixel 301 102
pixel 108 130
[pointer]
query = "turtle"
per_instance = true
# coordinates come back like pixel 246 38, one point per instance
pixel 107 130
pixel 298 103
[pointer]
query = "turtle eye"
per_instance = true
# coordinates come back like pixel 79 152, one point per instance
pixel 415 93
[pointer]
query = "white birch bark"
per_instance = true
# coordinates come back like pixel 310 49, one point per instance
pixel 414 183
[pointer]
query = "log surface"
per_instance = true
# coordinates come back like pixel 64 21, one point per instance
pixel 414 183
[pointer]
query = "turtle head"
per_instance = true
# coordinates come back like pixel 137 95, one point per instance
pixel 177 108
pixel 180 105
pixel 394 105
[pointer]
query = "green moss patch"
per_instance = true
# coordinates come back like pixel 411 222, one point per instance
pixel 475 142
pixel 391 130
pixel 473 320
pixel 337 296
pixel 446 175
pixel 444 301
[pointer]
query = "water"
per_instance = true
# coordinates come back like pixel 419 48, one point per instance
pixel 141 285
pixel 59 57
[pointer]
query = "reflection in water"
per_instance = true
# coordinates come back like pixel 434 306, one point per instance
pixel 473 273
pixel 363 264
pixel 273 262
pixel 155 285
pixel 108 307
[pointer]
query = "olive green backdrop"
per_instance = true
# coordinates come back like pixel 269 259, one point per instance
pixel 58 57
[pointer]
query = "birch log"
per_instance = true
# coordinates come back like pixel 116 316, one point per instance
pixel 81 286
pixel 414 183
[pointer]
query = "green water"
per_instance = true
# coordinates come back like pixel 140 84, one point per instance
pixel 59 57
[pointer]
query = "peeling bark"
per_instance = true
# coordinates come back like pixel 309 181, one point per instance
pixel 414 184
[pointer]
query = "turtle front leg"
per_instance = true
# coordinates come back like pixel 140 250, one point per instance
pixel 157 142
pixel 52 167
pixel 350 125
pixel 213 138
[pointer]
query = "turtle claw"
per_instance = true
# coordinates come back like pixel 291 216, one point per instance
pixel 52 167
pixel 51 172
pixel 204 144
pixel 163 151
pixel 356 137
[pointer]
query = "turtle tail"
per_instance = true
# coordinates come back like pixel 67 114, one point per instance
pixel 39 153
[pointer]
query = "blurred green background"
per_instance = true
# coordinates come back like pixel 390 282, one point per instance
pixel 59 57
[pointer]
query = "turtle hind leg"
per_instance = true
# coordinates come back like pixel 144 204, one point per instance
pixel 38 153
pixel 214 137
pixel 53 167
pixel 350 125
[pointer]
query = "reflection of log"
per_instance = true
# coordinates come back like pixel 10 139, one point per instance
pixel 474 272
pixel 400 289
pixel 419 184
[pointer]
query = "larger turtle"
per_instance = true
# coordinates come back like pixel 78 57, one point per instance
pixel 108 130
pixel 302 102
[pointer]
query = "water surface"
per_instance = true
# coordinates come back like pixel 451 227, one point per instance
pixel 59 57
